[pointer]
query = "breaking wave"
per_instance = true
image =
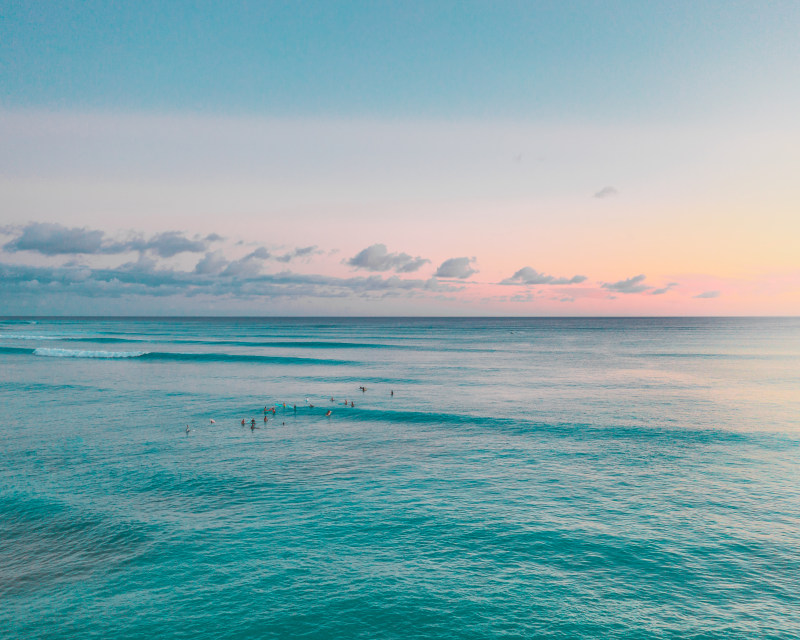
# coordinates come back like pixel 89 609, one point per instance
pixel 27 336
pixel 77 353
pixel 176 357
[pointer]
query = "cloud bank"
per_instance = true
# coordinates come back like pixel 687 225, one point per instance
pixel 51 239
pixel 226 272
pixel 213 275
pixel 240 281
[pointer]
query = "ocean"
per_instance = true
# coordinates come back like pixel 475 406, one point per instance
pixel 496 478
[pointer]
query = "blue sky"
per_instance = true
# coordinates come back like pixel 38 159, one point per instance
pixel 593 60
pixel 521 158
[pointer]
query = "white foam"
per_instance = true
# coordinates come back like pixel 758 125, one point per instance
pixel 27 336
pixel 76 353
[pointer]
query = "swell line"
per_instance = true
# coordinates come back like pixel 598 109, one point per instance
pixel 174 356
pixel 231 357
pixel 515 425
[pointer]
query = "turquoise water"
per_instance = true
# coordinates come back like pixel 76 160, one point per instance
pixel 565 478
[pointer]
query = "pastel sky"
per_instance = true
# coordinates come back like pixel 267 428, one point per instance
pixel 400 158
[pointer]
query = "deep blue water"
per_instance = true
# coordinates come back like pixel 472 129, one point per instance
pixel 530 478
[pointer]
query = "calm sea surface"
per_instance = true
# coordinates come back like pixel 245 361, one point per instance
pixel 529 478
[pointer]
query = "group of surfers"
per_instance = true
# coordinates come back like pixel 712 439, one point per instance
pixel 272 410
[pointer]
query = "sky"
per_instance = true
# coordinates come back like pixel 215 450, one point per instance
pixel 400 158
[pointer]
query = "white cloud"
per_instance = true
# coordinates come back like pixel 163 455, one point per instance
pixel 631 285
pixel 606 192
pixel 663 290
pixel 456 268
pixel 377 258
pixel 527 275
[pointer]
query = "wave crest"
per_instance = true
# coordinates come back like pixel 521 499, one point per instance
pixel 77 353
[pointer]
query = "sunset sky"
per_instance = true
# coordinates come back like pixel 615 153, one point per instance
pixel 400 158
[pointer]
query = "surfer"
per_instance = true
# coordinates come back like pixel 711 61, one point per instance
pixel 187 429
pixel 328 415
pixel 242 421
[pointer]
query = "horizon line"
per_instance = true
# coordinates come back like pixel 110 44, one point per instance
pixel 396 317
